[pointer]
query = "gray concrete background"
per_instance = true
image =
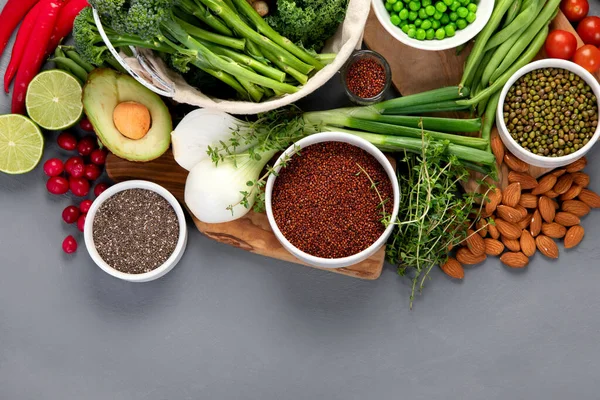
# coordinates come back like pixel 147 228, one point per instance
pixel 226 324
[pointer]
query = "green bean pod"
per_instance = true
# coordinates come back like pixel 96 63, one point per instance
pixel 69 65
pixel 512 13
pixel 477 81
pixel 73 55
pixel 530 10
pixel 498 55
pixel 490 116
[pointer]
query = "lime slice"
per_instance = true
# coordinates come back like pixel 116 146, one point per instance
pixel 54 100
pixel 21 144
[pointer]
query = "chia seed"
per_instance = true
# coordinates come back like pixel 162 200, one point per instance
pixel 324 204
pixel 135 231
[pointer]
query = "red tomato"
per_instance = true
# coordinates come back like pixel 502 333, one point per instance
pixel 588 57
pixel 575 10
pixel 561 44
pixel 589 30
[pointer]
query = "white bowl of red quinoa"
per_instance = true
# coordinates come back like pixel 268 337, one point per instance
pixel 329 199
pixel 136 231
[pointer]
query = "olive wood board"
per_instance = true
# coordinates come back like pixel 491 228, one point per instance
pixel 415 71
pixel 251 232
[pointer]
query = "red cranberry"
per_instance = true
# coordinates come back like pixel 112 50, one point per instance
pixel 53 167
pixel 98 156
pixel 70 214
pixel 87 145
pixel 57 185
pixel 92 172
pixel 67 141
pixel 81 222
pixel 69 245
pixel 79 186
pixel 85 205
pixel 86 125
pixel 101 187
pixel 75 166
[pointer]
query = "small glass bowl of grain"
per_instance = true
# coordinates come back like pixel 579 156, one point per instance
pixel 332 204
pixel 366 76
pixel 136 231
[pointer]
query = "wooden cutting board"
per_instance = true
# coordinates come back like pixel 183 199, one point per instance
pixel 415 71
pixel 251 232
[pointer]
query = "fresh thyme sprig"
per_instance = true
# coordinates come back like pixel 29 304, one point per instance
pixel 385 217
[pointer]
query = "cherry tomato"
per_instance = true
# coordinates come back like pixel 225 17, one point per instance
pixel 87 145
pixel 75 166
pixel 79 186
pixel 589 30
pixel 85 205
pixel 69 245
pixel 53 167
pixel 70 214
pixel 101 187
pixel 67 141
pixel 575 10
pixel 86 125
pixel 561 44
pixel 57 185
pixel 81 222
pixel 92 172
pixel 98 156
pixel 588 57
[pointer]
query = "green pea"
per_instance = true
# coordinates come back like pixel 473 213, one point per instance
pixel 464 2
pixel 440 34
pixel 448 2
pixel 462 12
pixel 422 13
pixel 430 34
pixel 430 10
pixel 421 34
pixel 388 6
pixel 454 6
pixel 461 24
pixel 398 6
pixel 414 5
pixel 395 19
pixel 418 22
pixel 403 24
pixel 425 3
pixel 453 16
pixel 403 14
pixel 391 1
pixel 440 6
pixel 445 19
pixel 435 24
pixel 426 24
pixel 472 7
pixel 471 16
pixel 450 31
pixel 453 25
pixel 412 33
pixel 437 15
pixel 405 28
pixel 412 26
pixel 412 15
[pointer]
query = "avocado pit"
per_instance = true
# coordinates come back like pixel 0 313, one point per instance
pixel 132 119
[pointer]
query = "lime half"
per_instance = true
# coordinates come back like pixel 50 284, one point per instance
pixel 21 144
pixel 54 100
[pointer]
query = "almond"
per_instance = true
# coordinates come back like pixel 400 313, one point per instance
pixel 546 207
pixel 527 243
pixel 511 244
pixel 551 194
pixel 493 247
pixel 494 197
pixel 566 219
pixel 522 210
pixel 528 200
pixel 590 198
pixel 453 269
pixel 512 194
pixel 514 163
pixel 527 181
pixel 509 214
pixel 554 230
pixel 508 230
pixel 465 257
pixel 482 227
pixel 546 246
pixel 576 207
pixel 581 178
pixel 497 147
pixel 493 231
pixel 577 165
pixel 563 184
pixel 514 259
pixel 545 184
pixel 574 236
pixel 475 243
pixel 555 204
pixel 573 192
pixel 524 223
pixel 535 226
pixel 559 172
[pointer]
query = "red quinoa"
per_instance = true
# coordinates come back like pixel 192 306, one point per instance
pixel 366 78
pixel 325 206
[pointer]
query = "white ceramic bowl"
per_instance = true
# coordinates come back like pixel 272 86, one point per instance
pixel 155 273
pixel 334 262
pixel 484 12
pixel 513 146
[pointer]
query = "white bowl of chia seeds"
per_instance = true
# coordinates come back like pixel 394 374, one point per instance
pixel 136 231
pixel 553 120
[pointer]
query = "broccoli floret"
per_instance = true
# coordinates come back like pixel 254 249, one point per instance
pixel 308 22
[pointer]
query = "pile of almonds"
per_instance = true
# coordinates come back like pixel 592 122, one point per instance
pixel 527 216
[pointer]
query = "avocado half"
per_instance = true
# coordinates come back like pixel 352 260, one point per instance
pixel 103 91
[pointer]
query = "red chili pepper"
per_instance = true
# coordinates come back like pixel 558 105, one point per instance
pixel 12 13
pixel 20 45
pixel 36 52
pixel 64 24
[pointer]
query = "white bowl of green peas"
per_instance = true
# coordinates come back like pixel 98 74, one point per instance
pixel 433 24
